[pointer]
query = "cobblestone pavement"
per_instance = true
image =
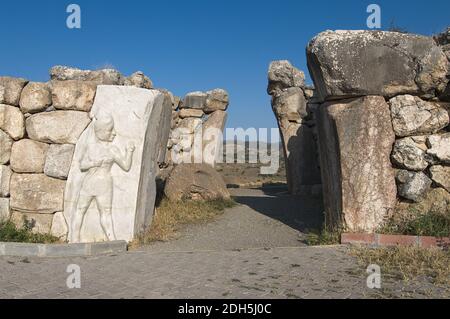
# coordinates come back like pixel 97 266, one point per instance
pixel 240 255
pixel 300 272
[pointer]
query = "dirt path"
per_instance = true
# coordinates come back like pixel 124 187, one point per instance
pixel 264 218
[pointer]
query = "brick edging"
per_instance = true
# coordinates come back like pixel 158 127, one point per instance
pixel 62 250
pixel 381 240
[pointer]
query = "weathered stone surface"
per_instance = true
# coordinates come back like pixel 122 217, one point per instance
pixel 12 121
pixel 435 200
pixel 190 124
pixel 115 166
pixel 5 178
pixel 10 90
pixel 28 156
pixel 194 100
pixel 441 176
pixel 412 185
pixel 36 193
pixel 5 147
pixel 283 75
pixel 104 76
pixel 190 113
pixel 439 147
pixel 73 95
pixel 355 63
pixel 58 160
pixel 196 182
pixel 138 79
pixel 212 138
pixel 60 127
pixel 35 97
pixel 59 227
pixel 37 223
pixel 355 141
pixel 411 115
pixel 302 167
pixel 407 154
pixel 217 100
pixel 4 209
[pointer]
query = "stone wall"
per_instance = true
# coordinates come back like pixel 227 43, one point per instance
pixel 293 105
pixel 383 123
pixel 198 121
pixel 40 123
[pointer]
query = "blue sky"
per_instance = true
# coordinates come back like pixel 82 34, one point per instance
pixel 192 45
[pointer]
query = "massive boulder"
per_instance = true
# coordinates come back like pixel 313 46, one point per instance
pixel 217 100
pixel 5 178
pixel 36 97
pixel 195 100
pixel 212 139
pixel 355 63
pixel 28 156
pixel 73 95
pixel 12 121
pixel 5 147
pixel 283 75
pixel 103 76
pixel 355 141
pixel 407 154
pixel 411 115
pixel 441 176
pixel 196 182
pixel 58 160
pixel 36 193
pixel 138 79
pixel 439 147
pixel 412 185
pixel 59 127
pixel 11 89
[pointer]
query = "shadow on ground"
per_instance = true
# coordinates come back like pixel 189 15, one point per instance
pixel 301 213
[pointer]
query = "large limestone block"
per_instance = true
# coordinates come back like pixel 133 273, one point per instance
pixel 73 95
pixel 407 154
pixel 412 185
pixel 37 223
pixel 355 63
pixel 196 182
pixel 35 97
pixel 283 75
pixel 10 90
pixel 5 147
pixel 355 141
pixel 217 100
pixel 28 156
pixel 103 76
pixel 195 100
pixel 36 193
pixel 5 178
pixel 441 176
pixel 4 209
pixel 60 127
pixel 58 160
pixel 411 115
pixel 12 121
pixel 439 147
pixel 138 79
pixel 184 113
pixel 111 187
pixel 212 139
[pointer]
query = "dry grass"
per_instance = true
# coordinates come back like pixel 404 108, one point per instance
pixel 408 263
pixel 170 217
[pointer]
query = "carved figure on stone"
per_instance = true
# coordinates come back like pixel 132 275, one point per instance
pixel 97 185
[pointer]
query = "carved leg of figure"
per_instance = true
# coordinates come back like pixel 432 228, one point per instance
pixel 106 220
pixel 78 219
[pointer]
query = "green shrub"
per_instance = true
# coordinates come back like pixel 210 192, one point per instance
pixel 9 232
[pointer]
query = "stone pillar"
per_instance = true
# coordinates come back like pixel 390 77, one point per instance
pixel 290 106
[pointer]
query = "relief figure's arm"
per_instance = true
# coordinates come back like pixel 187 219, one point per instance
pixel 124 161
pixel 86 163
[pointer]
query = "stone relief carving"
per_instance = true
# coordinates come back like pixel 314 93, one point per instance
pixel 97 185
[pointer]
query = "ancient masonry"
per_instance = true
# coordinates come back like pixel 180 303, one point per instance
pixel 382 117
pixel 44 126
